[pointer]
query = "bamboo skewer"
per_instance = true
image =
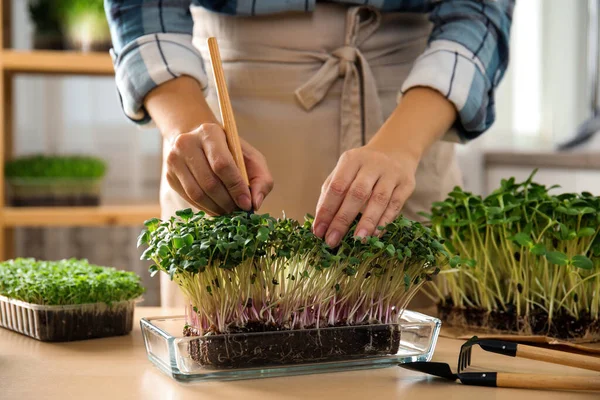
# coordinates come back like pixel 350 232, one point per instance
pixel 229 126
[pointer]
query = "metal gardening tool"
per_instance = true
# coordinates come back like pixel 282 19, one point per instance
pixel 514 380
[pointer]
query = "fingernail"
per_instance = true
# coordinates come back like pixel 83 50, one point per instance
pixel 361 233
pixel 320 230
pixel 259 199
pixel 244 202
pixel 333 238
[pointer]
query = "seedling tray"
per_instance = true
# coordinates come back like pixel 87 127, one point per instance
pixel 67 323
pixel 54 192
pixel 308 351
pixel 564 327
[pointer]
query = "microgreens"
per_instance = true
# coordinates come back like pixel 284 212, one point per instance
pixel 520 246
pixel 40 166
pixel 66 282
pixel 242 268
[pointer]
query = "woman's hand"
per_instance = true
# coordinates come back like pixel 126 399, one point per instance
pixel 378 178
pixel 201 169
pixel 365 179
pixel 199 166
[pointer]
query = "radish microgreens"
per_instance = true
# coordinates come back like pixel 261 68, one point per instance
pixel 520 246
pixel 66 282
pixel 243 268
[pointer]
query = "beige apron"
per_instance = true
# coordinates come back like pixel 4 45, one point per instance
pixel 299 84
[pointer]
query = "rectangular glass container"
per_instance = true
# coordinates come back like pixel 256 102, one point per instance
pixel 412 339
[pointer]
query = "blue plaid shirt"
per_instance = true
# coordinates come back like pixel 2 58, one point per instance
pixel 465 59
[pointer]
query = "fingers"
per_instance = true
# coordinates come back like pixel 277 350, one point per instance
pixel 187 163
pixel 214 144
pixel 332 197
pixel 365 181
pixel 191 187
pixel 202 170
pixel 209 182
pixel 397 200
pixel 259 175
pixel 376 206
pixel 357 196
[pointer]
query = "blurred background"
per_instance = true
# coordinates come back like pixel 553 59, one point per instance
pixel 75 114
pixel 59 103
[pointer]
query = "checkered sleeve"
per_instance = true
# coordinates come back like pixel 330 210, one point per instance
pixel 152 44
pixel 466 58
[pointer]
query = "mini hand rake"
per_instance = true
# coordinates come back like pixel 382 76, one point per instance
pixel 515 380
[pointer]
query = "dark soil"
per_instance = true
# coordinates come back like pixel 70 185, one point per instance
pixel 249 348
pixel 563 326
pixel 66 326
pixel 55 201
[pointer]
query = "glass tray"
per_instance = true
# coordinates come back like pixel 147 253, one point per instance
pixel 412 339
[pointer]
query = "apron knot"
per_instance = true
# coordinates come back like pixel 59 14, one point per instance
pixel 346 55
pixel 347 62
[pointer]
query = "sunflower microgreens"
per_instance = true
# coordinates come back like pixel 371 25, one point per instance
pixel 520 246
pixel 243 268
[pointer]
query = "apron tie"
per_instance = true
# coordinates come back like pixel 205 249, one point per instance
pixel 361 114
pixel 346 55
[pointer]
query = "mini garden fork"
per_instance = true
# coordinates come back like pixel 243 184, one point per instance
pixel 530 352
pixel 514 380
pixel 532 381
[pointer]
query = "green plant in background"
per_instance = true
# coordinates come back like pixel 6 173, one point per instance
pixel 520 247
pixel 45 15
pixel 66 282
pixel 243 268
pixel 84 22
pixel 65 167
pixel 48 29
pixel 81 23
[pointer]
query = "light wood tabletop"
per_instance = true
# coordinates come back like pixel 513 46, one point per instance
pixel 117 368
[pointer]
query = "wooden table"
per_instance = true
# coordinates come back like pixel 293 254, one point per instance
pixel 117 368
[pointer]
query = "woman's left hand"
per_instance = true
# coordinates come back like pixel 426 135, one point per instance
pixel 368 179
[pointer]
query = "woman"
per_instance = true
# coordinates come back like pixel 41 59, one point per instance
pixel 354 107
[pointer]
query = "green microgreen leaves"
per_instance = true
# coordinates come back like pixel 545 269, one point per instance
pixel 263 234
pixel 582 262
pixel 67 282
pixel 151 225
pixel 558 258
pixel 586 232
pixel 285 273
pixel 532 249
pixel 538 249
pixel 522 239
pixel 185 215
pixel 55 167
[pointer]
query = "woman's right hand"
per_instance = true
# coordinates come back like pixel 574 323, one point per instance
pixel 201 169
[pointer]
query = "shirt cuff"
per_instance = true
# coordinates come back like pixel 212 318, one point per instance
pixel 455 72
pixel 150 61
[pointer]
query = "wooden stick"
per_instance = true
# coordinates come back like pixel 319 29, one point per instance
pixel 229 126
pixel 558 357
pixel 555 382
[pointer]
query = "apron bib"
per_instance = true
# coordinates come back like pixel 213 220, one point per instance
pixel 307 87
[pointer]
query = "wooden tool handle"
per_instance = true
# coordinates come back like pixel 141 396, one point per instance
pixel 559 357
pixel 555 382
pixel 229 126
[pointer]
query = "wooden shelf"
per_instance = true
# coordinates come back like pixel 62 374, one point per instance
pixel 110 215
pixel 543 159
pixel 56 62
